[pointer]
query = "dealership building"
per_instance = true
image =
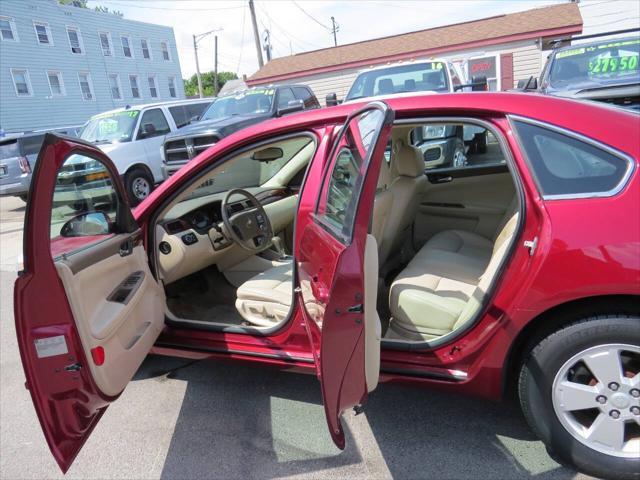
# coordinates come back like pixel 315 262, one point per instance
pixel 506 49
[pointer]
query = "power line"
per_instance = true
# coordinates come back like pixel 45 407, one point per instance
pixel 288 36
pixel 244 15
pixel 309 15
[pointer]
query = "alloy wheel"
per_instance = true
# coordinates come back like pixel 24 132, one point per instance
pixel 140 188
pixel 596 397
pixel 459 158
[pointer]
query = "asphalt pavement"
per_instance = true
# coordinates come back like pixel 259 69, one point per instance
pixel 180 419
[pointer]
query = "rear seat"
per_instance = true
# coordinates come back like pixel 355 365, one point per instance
pixel 445 284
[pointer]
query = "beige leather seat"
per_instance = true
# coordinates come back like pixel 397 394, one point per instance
pixel 381 205
pixel 265 299
pixel 445 284
pixel 408 163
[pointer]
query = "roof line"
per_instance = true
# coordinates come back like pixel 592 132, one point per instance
pixel 449 48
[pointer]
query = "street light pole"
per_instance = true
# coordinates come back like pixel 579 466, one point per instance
pixel 196 39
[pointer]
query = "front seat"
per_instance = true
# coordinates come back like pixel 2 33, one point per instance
pixel 408 163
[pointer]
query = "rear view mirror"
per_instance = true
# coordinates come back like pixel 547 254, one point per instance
pixel 292 106
pixel 268 154
pixel 331 100
pixel 87 224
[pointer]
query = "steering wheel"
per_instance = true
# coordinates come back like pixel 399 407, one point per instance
pixel 250 228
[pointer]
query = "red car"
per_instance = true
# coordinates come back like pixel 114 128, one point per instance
pixel 319 243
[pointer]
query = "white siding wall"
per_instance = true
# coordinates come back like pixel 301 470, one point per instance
pixel 601 16
pixel 527 61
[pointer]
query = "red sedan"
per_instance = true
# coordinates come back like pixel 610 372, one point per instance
pixel 337 242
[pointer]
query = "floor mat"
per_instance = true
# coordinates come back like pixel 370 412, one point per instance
pixel 205 296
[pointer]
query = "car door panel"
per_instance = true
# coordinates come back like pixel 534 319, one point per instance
pixel 79 346
pixel 472 203
pixel 337 262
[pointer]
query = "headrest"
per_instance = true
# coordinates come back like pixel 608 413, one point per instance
pixel 409 85
pixel 408 160
pixel 385 85
pixel 433 79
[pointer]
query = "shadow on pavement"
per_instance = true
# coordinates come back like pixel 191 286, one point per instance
pixel 243 422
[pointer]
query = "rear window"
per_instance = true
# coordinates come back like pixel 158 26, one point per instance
pixel 565 165
pixel 182 114
pixel 32 144
pixel 9 149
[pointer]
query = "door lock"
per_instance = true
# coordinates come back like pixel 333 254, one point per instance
pixel 355 308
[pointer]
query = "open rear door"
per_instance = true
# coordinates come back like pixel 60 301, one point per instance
pixel 87 308
pixel 337 263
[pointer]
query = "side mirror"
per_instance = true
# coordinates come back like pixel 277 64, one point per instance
pixel 292 106
pixel 147 130
pixel 331 100
pixel 87 224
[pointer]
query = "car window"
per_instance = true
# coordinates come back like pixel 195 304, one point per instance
pixel 306 96
pixel 9 149
pixel 456 145
pixel 84 206
pixel 565 165
pixel 196 109
pixel 285 95
pixel 340 193
pixel 153 124
pixel 180 115
pixel 31 144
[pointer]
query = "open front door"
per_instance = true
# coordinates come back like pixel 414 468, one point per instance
pixel 87 308
pixel 337 263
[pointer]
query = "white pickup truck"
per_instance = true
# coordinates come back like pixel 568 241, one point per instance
pixel 442 146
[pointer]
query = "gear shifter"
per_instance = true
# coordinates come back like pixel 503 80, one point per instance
pixel 276 242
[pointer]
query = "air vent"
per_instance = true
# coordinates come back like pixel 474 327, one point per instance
pixel 174 227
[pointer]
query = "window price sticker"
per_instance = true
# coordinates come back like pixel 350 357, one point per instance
pixel 51 346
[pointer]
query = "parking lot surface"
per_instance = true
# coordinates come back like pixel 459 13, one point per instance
pixel 181 419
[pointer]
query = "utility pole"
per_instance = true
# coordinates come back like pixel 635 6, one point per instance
pixel 267 44
pixel 195 50
pixel 256 36
pixel 196 39
pixel 335 28
pixel 215 66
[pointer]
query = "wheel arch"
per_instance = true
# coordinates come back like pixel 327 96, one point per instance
pixel 139 165
pixel 554 319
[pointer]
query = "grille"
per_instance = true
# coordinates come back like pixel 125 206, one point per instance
pixel 431 154
pixel 184 149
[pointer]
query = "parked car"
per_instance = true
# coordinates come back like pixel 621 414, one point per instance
pixel 433 76
pixel 604 71
pixel 231 113
pixel 325 256
pixel 133 136
pixel 18 153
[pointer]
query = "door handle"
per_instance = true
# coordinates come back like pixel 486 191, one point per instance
pixel 355 308
pixel 126 247
pixel 444 179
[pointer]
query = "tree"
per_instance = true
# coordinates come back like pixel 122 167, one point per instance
pixel 83 4
pixel 191 84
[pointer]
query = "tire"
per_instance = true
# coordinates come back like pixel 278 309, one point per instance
pixel 139 184
pixel 458 154
pixel 480 142
pixel 547 384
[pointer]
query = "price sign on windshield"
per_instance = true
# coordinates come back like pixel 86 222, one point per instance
pixel 613 65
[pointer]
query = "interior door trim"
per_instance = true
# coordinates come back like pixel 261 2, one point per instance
pixel 96 252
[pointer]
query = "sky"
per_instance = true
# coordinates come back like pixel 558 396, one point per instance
pixel 297 25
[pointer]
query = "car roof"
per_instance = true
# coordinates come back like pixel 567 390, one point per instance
pixel 596 43
pixel 403 64
pixel 263 87
pixel 157 104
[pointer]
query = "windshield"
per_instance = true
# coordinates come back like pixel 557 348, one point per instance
pixel 245 172
pixel 242 103
pixel 603 64
pixel 421 77
pixel 111 127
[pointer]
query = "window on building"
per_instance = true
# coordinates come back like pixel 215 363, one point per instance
pixel 105 43
pixel 125 41
pixel 21 82
pixel 86 86
pixel 114 86
pixel 172 87
pixel 567 166
pixel 133 83
pixel 164 46
pixel 75 40
pixel 56 85
pixel 486 66
pixel 43 34
pixel 146 52
pixel 153 90
pixel 8 30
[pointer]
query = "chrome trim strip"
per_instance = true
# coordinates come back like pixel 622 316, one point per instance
pixel 631 163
